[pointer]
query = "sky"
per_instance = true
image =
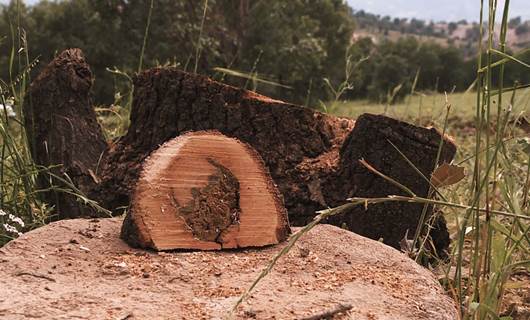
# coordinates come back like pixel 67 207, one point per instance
pixel 437 10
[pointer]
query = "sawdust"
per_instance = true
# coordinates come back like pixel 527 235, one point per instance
pixel 97 276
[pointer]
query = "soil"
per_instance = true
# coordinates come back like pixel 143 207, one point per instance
pixel 516 302
pixel 80 269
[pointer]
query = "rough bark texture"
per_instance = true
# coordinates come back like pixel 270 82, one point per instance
pixel 312 157
pixel 371 139
pixel 168 102
pixel 63 130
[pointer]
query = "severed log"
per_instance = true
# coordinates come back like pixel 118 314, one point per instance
pixel 63 131
pixel 312 157
pixel 386 144
pixel 203 190
pixel 168 102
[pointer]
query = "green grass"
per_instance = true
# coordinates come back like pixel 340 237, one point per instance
pixel 487 211
pixel 431 107
pixel 20 207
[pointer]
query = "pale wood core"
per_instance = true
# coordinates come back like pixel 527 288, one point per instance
pixel 188 162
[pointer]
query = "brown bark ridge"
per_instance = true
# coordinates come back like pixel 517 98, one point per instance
pixel 379 141
pixel 63 131
pixel 312 157
pixel 203 190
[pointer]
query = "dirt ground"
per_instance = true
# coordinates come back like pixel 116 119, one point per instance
pixel 80 269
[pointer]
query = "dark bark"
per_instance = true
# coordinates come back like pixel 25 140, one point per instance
pixel 168 102
pixel 312 157
pixel 63 131
pixel 371 139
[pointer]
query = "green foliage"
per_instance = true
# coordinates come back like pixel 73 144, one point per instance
pixel 20 208
pixel 384 24
pixel 296 41
pixel 396 63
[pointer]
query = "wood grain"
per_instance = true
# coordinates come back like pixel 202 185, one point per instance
pixel 185 163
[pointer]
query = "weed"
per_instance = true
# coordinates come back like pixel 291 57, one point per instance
pixel 490 210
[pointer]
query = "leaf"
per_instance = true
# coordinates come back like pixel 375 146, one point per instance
pixel 446 175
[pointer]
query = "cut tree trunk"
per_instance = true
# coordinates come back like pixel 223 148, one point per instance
pixel 312 157
pixel 386 144
pixel 63 131
pixel 203 190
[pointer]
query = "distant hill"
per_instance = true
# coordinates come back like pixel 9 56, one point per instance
pixel 461 34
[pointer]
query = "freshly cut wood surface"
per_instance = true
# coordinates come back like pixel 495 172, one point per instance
pixel 203 190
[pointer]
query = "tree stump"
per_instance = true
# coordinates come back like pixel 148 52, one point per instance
pixel 372 139
pixel 203 190
pixel 63 131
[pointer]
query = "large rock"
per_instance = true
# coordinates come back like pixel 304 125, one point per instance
pixel 81 269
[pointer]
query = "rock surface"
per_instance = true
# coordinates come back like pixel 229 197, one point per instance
pixel 80 269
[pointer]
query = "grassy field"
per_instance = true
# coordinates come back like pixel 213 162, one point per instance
pixel 430 107
pixel 488 211
pixel 508 190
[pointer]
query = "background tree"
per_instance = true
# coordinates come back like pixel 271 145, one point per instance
pixel 296 43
